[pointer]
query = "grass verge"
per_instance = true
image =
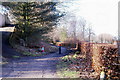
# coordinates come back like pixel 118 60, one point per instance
pixel 63 69
pixel 75 65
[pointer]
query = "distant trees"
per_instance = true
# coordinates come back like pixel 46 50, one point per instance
pixel 58 34
pixel 63 34
pixel 82 24
pixel 105 38
pixel 72 28
pixel 33 18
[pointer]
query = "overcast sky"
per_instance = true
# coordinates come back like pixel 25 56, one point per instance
pixel 102 14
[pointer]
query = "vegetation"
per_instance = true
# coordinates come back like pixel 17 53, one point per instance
pixel 30 54
pixel 90 64
pixel 33 19
pixel 76 65
pixel 63 69
pixel 16 56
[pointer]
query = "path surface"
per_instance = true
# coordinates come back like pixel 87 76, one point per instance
pixel 33 67
pixel 28 67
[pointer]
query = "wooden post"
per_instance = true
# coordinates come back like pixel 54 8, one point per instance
pixel 60 48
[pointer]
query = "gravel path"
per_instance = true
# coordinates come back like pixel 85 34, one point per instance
pixel 33 67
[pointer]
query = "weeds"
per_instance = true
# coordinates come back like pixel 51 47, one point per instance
pixel 16 56
pixel 63 69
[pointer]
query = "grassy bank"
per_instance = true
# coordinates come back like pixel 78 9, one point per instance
pixel 26 51
pixel 63 67
pixel 64 72
pixel 75 65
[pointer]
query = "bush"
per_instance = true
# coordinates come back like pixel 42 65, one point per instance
pixel 77 52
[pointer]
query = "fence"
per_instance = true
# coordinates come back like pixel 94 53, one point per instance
pixel 66 44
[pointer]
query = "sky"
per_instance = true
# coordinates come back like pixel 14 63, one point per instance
pixel 3 10
pixel 101 14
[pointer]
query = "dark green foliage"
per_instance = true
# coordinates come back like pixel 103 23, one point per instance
pixel 33 18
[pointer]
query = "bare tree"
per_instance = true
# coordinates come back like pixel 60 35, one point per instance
pixel 73 29
pixel 91 34
pixel 82 24
pixel 105 38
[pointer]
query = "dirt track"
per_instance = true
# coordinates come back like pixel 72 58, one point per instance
pixel 33 67
pixel 28 67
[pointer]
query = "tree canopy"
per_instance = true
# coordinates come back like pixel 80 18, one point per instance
pixel 33 18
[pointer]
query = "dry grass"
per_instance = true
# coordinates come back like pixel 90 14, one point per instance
pixel 33 50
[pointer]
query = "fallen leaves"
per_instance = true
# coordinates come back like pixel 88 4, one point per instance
pixel 78 63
